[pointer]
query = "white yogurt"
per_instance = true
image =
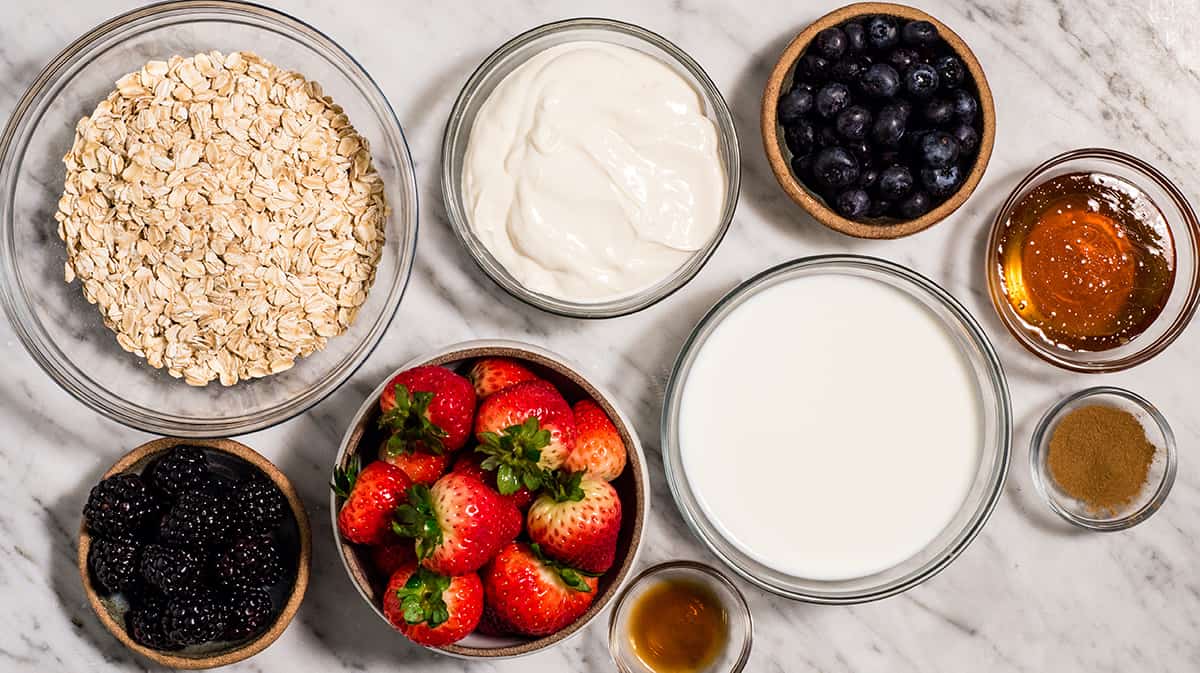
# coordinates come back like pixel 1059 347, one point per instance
pixel 591 172
pixel 831 427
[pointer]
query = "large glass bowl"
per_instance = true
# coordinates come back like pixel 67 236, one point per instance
pixel 498 66
pixel 990 474
pixel 64 333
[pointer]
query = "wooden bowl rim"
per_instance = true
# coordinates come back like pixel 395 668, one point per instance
pixel 773 144
pixel 471 350
pixel 299 587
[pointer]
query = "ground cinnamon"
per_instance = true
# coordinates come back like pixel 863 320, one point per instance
pixel 1100 455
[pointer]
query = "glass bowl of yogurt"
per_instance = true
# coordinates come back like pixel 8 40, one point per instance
pixel 837 429
pixel 590 167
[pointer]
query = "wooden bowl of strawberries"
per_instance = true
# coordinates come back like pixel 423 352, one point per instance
pixel 489 500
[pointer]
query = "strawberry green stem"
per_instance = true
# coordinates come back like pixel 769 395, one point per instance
pixel 409 423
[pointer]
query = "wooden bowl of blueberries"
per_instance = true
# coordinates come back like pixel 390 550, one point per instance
pixel 878 120
pixel 194 553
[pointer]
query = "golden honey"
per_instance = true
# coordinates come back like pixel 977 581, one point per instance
pixel 1087 261
pixel 678 626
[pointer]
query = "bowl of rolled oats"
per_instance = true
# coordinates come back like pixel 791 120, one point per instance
pixel 208 217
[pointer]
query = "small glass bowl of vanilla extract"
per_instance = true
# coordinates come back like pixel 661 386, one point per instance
pixel 1092 261
pixel 680 617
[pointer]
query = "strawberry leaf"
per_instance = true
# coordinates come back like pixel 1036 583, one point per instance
pixel 572 577
pixel 565 486
pixel 514 455
pixel 344 478
pixel 506 480
pixel 409 423
pixel 416 519
pixel 421 598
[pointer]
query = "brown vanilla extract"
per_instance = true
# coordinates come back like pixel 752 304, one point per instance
pixel 1087 260
pixel 678 626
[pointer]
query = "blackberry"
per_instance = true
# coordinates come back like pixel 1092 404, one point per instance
pixel 250 562
pixel 248 613
pixel 200 517
pixel 144 623
pixel 184 468
pixel 120 506
pixel 172 570
pixel 258 505
pixel 114 563
pixel 194 619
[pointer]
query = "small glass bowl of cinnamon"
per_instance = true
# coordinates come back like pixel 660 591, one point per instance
pixel 1103 459
pixel 1093 263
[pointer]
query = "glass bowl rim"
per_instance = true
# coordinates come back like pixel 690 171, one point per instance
pixel 1040 439
pixel 45 352
pixel 996 379
pixel 456 132
pixel 1190 225
pixel 712 575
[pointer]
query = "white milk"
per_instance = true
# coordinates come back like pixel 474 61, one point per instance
pixel 831 427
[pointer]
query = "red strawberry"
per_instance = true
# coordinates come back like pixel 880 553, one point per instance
pixel 492 375
pixel 421 466
pixel 598 447
pixel 427 407
pixel 506 414
pixel 458 524
pixel 372 495
pixel 431 609
pixel 390 557
pixel 529 594
pixel 469 462
pixel 576 521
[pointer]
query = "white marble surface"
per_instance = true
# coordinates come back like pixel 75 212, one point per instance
pixel 1029 594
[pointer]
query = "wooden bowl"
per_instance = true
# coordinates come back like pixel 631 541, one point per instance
pixel 778 155
pixel 364 437
pixel 227 455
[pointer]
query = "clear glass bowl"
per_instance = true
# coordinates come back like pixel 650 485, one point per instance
pixel 1158 482
pixel 741 626
pixel 507 58
pixel 65 334
pixel 976 507
pixel 1184 297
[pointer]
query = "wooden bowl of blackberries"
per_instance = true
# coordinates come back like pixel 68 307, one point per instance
pixel 194 553
pixel 878 120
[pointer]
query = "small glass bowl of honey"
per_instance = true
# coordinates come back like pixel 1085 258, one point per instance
pixel 1092 261
pixel 680 617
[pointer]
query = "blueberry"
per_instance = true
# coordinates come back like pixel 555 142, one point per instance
pixel 867 178
pixel 832 99
pixel 921 80
pixel 835 167
pixel 793 105
pixel 800 137
pixel 813 67
pixel 848 70
pixel 862 151
pixel 914 206
pixel 938 111
pixel 919 33
pixel 827 136
pixel 938 149
pixel 895 182
pixel 880 81
pixel 882 32
pixel 967 137
pixel 801 85
pixel 902 58
pixel 879 208
pixel 856 37
pixel 950 70
pixel 941 182
pixel 802 167
pixel 888 157
pixel 889 125
pixel 831 43
pixel 853 122
pixel 965 105
pixel 853 203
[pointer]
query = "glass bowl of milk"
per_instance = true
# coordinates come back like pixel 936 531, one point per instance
pixel 837 429
pixel 590 167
